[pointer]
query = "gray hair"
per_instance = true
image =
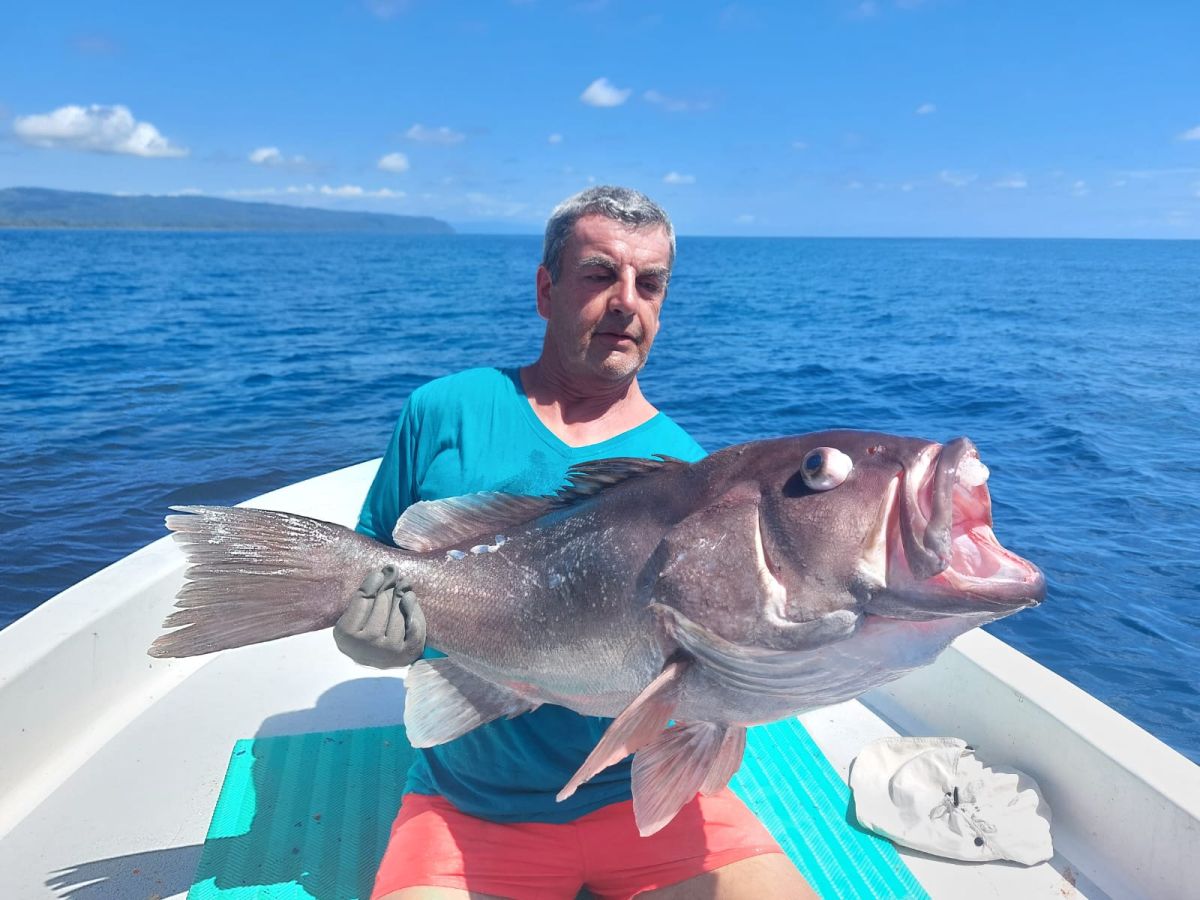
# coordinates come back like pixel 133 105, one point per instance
pixel 620 204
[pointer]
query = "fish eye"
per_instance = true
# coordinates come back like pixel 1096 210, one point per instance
pixel 825 468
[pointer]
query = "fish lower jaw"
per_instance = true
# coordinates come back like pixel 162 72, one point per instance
pixel 970 559
pixel 980 576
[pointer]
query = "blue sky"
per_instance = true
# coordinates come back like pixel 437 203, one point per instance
pixel 885 117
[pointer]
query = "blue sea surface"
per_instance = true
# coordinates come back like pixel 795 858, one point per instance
pixel 144 369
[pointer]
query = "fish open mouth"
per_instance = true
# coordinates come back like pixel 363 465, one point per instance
pixel 942 536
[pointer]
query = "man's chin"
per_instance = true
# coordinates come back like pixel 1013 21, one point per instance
pixel 616 367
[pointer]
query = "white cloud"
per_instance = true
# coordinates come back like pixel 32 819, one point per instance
pixel 602 92
pixel 555 138
pixel 1146 174
pixel 393 162
pixel 907 187
pixel 101 129
pixel 270 156
pixel 677 178
pixel 745 219
pixel 799 145
pixel 324 190
pixel 440 135
pixel 673 104
pixel 956 179
pixel 854 185
pixel 1012 182
pixel 925 109
pixel 187 192
pixel 1080 188
pixel 1192 134
pixel 866 9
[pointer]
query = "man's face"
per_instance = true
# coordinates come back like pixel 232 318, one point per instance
pixel 602 315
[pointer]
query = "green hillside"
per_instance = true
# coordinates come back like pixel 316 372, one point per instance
pixel 24 207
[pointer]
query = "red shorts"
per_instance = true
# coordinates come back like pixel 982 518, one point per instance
pixel 435 845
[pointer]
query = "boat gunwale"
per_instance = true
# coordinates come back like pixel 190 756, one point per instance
pixel 81 658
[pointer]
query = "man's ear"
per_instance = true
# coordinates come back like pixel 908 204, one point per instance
pixel 544 284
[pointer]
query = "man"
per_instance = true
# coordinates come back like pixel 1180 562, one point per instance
pixel 479 816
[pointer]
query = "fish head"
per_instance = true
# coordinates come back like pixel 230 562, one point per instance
pixel 888 526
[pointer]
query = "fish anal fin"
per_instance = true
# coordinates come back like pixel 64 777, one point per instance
pixel 444 701
pixel 683 761
pixel 637 725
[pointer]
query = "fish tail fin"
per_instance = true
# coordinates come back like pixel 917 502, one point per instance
pixel 256 575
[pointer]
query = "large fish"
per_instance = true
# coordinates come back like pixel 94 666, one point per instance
pixel 762 581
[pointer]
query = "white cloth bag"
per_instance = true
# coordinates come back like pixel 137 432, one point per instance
pixel 935 795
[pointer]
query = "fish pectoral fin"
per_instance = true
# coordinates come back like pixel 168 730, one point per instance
pixel 444 701
pixel 638 724
pixel 742 667
pixel 683 761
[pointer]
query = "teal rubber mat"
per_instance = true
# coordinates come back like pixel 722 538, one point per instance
pixel 308 816
pixel 796 793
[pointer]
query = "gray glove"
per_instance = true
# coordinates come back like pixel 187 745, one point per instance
pixel 384 627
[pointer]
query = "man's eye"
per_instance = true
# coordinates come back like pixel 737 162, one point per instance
pixel 652 286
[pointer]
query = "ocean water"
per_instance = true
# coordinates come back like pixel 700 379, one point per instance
pixel 141 370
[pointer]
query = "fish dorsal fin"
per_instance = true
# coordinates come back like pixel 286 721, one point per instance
pixel 438 524
pixel 586 479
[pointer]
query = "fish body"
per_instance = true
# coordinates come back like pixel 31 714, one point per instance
pixel 766 579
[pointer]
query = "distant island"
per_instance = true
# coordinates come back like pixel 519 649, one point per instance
pixel 26 207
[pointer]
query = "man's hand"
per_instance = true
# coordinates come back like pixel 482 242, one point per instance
pixel 384 626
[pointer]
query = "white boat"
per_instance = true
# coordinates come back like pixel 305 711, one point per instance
pixel 111 762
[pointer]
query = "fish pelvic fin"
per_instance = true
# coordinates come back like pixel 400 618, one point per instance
pixel 256 575
pixel 637 725
pixel 726 762
pixel 683 761
pixel 442 701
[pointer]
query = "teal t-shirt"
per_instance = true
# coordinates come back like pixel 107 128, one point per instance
pixel 476 431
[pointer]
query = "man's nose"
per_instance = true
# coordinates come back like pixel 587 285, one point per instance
pixel 624 296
